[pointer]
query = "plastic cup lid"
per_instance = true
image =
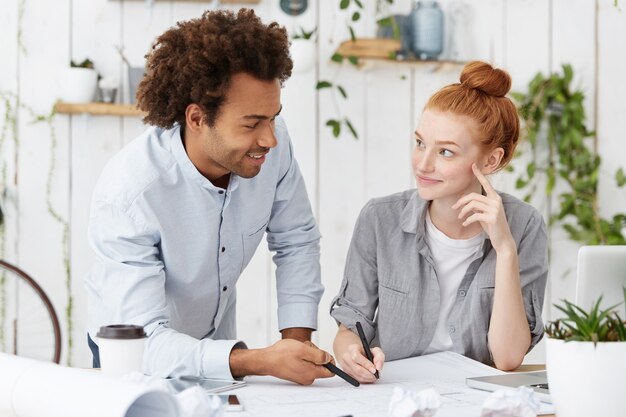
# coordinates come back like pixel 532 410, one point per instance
pixel 121 331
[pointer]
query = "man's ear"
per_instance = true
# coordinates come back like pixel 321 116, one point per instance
pixel 492 161
pixel 194 118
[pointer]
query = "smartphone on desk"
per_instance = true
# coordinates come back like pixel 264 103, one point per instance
pixel 231 402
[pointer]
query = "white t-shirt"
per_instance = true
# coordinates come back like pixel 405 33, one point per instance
pixel 452 257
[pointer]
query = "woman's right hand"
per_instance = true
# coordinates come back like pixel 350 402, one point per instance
pixel 355 363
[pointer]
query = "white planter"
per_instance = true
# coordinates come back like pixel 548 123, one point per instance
pixel 587 380
pixel 80 85
pixel 302 53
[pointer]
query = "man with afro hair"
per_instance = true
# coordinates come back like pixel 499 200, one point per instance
pixel 178 213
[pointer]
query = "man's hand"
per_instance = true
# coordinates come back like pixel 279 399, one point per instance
pixel 301 334
pixel 286 359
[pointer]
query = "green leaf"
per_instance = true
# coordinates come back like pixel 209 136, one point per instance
pixel 620 177
pixel 520 183
pixel 352 130
pixel 359 4
pixel 385 21
pixel 323 84
pixel 568 74
pixel 352 35
pixel 337 57
pixel 356 16
pixel 344 4
pixel 353 60
pixel 530 170
pixel 335 126
pixel 342 91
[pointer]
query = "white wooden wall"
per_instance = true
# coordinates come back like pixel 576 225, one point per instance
pixel 385 101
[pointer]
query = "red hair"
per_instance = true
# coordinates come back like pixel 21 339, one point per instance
pixel 481 96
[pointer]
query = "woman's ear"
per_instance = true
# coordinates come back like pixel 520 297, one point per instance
pixel 492 161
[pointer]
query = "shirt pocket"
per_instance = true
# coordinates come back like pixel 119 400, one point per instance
pixel 251 238
pixel 393 285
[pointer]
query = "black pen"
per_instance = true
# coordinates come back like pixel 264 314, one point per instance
pixel 366 346
pixel 341 374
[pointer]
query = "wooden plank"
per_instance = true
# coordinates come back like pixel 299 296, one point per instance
pixel 96 29
pixel 611 123
pixel 8 148
pixel 99 109
pixel 41 240
pixel 342 169
pixel 369 48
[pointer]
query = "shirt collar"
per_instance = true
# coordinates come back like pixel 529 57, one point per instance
pixel 189 169
pixel 413 217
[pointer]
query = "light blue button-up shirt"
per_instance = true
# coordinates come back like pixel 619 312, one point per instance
pixel 170 247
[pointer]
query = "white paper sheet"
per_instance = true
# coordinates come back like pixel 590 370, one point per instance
pixel 30 388
pixel 333 397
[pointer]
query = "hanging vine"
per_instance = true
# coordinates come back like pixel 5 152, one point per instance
pixel 65 242
pixel 554 116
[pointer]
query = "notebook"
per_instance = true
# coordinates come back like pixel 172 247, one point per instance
pixel 538 381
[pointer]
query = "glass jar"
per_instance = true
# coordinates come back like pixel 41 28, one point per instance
pixel 427 29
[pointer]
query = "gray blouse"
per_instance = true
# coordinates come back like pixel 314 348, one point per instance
pixel 391 287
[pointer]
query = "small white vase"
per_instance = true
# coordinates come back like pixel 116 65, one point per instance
pixel 80 85
pixel 587 380
pixel 302 53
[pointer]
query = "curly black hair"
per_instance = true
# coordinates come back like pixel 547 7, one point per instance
pixel 194 61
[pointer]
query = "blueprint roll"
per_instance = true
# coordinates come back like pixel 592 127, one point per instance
pixel 30 388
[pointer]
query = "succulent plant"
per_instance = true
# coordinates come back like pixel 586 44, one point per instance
pixel 595 325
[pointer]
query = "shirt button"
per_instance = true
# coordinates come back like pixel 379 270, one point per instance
pixel 225 288
pixel 223 249
pixel 220 192
pixel 452 329
pixel 462 293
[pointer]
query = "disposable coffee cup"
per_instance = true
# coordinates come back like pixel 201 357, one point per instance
pixel 121 349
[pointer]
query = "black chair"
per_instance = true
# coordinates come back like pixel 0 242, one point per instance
pixel 29 325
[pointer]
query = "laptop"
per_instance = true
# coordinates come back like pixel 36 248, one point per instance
pixel 538 381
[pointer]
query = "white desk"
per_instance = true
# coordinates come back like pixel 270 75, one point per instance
pixel 333 397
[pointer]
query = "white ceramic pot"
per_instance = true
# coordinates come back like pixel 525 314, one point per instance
pixel 587 380
pixel 302 53
pixel 80 85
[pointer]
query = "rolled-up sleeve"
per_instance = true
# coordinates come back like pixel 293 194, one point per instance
pixel 357 299
pixel 293 235
pixel 533 264
pixel 129 276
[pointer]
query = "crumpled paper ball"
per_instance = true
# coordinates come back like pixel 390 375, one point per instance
pixel 405 403
pixel 192 402
pixel 520 402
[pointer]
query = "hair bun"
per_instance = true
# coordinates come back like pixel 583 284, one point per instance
pixel 482 76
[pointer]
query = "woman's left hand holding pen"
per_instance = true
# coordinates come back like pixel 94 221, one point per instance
pixel 349 352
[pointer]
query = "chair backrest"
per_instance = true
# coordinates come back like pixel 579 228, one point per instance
pixel 601 271
pixel 29 326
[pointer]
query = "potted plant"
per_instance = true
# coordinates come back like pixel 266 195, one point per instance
pixel 302 50
pixel 586 361
pixel 80 82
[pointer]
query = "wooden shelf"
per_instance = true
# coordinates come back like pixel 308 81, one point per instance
pixel 98 109
pixel 373 51
pixel 209 1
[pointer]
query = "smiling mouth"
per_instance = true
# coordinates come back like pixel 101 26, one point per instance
pixel 426 179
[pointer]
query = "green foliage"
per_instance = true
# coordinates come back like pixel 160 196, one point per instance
pixel 303 34
pixel 86 63
pixel 554 117
pixel 595 325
